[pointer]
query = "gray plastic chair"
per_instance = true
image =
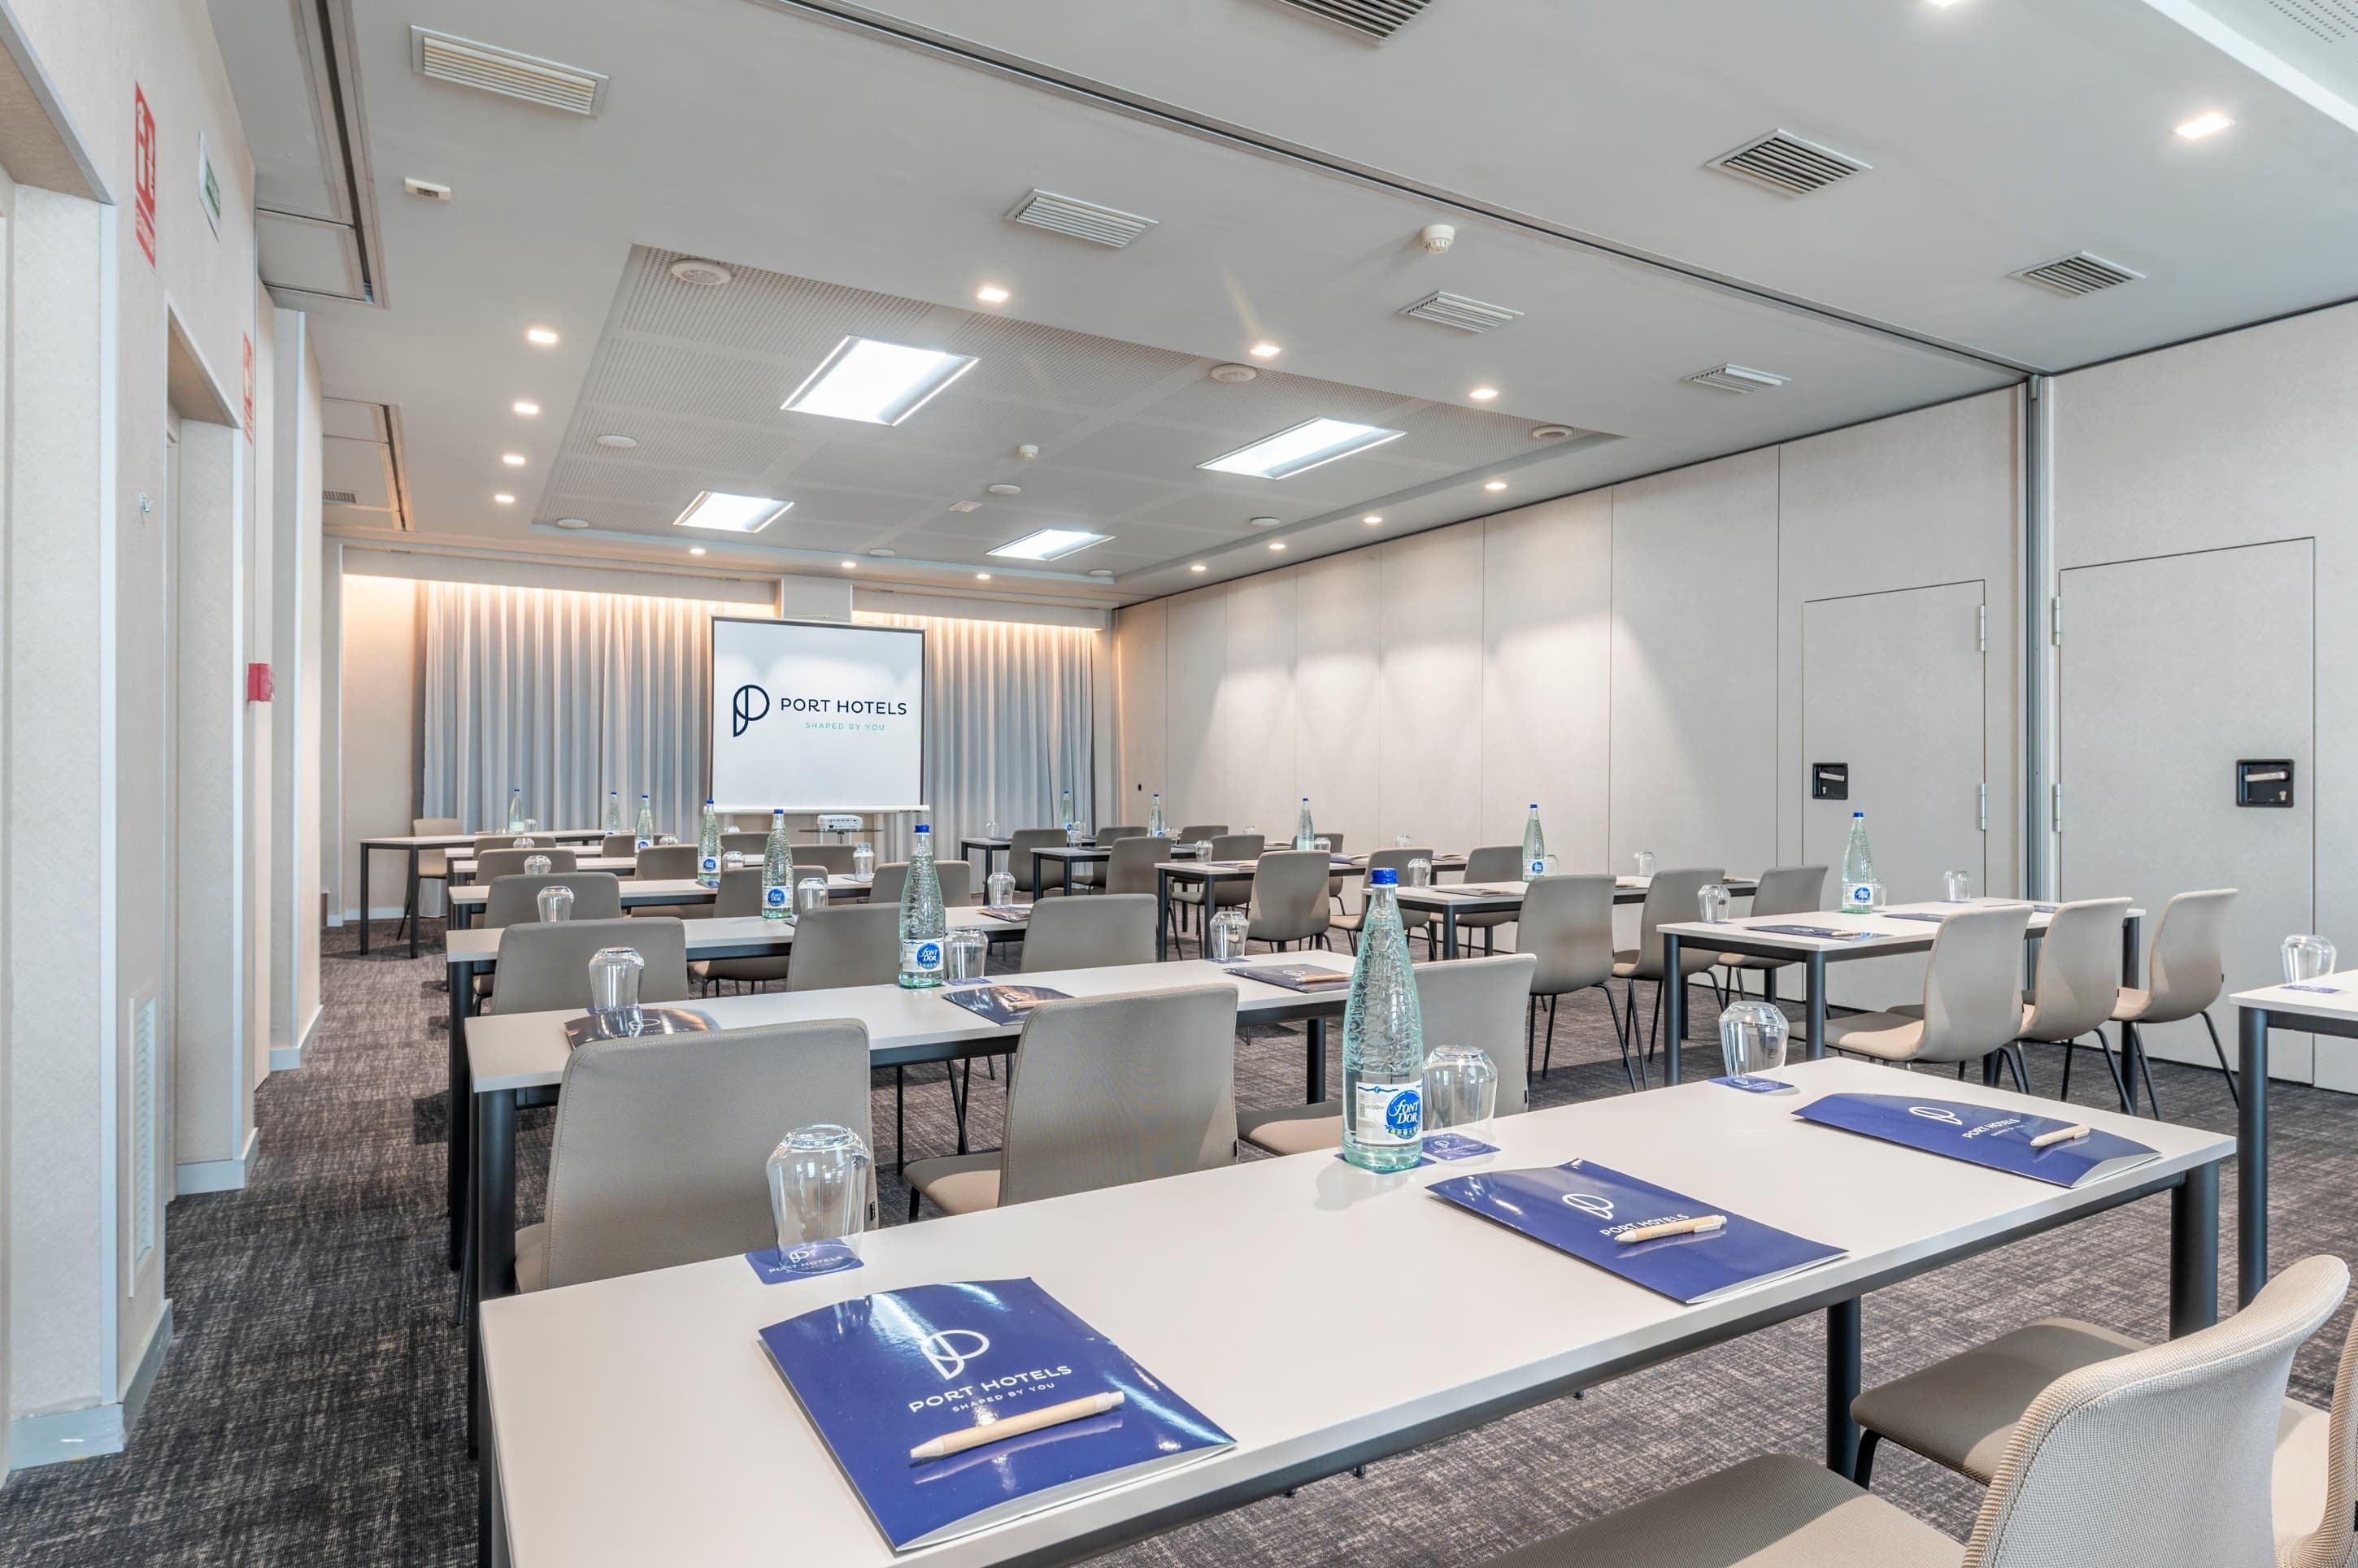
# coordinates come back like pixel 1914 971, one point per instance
pixel 1020 847
pixel 1413 922
pixel 665 863
pixel 739 894
pixel 846 945
pixel 1669 900
pixel 485 842
pixel 661 1142
pixel 1333 882
pixel 956 879
pixel 433 865
pixel 755 844
pixel 545 966
pixel 1077 934
pixel 1973 997
pixel 1492 863
pixel 1782 890
pixel 1104 1091
pixel 514 900
pixel 1228 894
pixel 2077 985
pixel 1091 874
pixel 1187 835
pixel 1288 898
pixel 2186 974
pixel 829 860
pixel 492 864
pixel 1567 924
pixel 621 846
pixel 1131 870
pixel 1466 1001
pixel 2161 1456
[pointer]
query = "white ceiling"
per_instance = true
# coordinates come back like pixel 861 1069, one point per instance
pixel 1565 138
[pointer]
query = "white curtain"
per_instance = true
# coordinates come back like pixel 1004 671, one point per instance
pixel 565 696
pixel 1009 722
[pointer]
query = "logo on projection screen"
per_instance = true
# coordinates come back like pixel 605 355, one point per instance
pixel 752 704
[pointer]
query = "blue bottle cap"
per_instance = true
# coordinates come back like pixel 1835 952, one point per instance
pixel 1384 877
pixel 923 828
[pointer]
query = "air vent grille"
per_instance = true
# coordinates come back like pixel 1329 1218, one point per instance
pixel 1783 161
pixel 1739 378
pixel 1080 220
pixel 2078 274
pixel 2332 20
pixel 1370 18
pixel 147 1123
pixel 1457 311
pixel 465 63
pixel 340 497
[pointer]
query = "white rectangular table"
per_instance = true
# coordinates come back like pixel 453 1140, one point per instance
pixel 1507 898
pixel 1900 928
pixel 1210 874
pixel 462 867
pixel 637 1420
pixel 2333 1011
pixel 643 892
pixel 415 844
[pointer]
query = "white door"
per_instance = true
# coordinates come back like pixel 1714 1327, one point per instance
pixel 2171 669
pixel 1892 687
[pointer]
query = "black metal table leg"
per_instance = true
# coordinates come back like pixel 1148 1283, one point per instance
pixel 2194 1251
pixel 458 1121
pixel 1842 1386
pixel 2130 928
pixel 1162 913
pixel 1814 1008
pixel 1313 1063
pixel 365 853
pixel 2252 1156
pixel 1674 1007
pixel 1449 930
pixel 413 901
pixel 492 1237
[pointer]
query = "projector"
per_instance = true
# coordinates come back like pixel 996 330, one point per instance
pixel 838 822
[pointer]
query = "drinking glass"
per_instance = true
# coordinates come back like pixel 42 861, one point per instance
pixel 1644 863
pixel 1752 1037
pixel 535 865
pixel 1324 845
pixel 733 860
pixel 1548 864
pixel 1461 1090
pixel 963 952
pixel 614 991
pixel 1203 849
pixel 521 841
pixel 1252 830
pixel 1418 873
pixel 818 1196
pixel 2307 958
pixel 532 824
pixel 1958 886
pixel 555 903
pixel 1072 834
pixel 1401 841
pixel 863 861
pixel 991 830
pixel 998 889
pixel 1229 927
pixel 1712 899
pixel 669 838
pixel 810 893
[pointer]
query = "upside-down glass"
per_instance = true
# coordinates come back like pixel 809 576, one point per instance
pixel 1202 849
pixel 1252 830
pixel 555 903
pixel 1644 863
pixel 1074 834
pixel 1228 928
pixel 1752 1036
pixel 1323 844
pixel 991 830
pixel 1957 887
pixel 998 889
pixel 1711 899
pixel 1418 873
pixel 863 861
pixel 963 953
pixel 669 838
pixel 1461 1090
pixel 614 991
pixel 2307 958
pixel 532 824
pixel 733 860
pixel 536 865
pixel 818 1196
pixel 1401 841
pixel 521 841
pixel 810 893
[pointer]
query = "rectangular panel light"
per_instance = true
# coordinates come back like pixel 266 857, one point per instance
pixel 1305 447
pixel 876 383
pixel 1048 545
pixel 731 514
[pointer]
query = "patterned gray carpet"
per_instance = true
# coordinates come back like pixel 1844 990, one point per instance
pixel 309 1411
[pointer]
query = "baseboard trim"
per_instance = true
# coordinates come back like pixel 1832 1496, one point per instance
pixel 60 1437
pixel 387 912
pixel 216 1175
pixel 285 1058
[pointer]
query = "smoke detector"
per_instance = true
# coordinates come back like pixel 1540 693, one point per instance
pixel 1550 432
pixel 703 274
pixel 1004 489
pixel 1233 374
pixel 620 443
pixel 573 521
pixel 1027 451
pixel 1437 237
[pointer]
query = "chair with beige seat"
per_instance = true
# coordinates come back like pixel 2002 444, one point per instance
pixel 618 846
pixel 1567 924
pixel 1230 894
pixel 2077 986
pixel 1669 898
pixel 1470 1001
pixel 1074 934
pixel 1104 1091
pixel 1288 898
pixel 739 894
pixel 433 865
pixel 1782 890
pixel 1492 863
pixel 665 863
pixel 514 900
pixel 860 944
pixel 1195 831
pixel 956 877
pixel 1414 923
pixel 1131 869
pixel 753 844
pixel 492 864
pixel 2156 1459
pixel 1021 844
pixel 1973 998
pixel 661 1143
pixel 1089 875
pixel 2186 972
pixel 544 965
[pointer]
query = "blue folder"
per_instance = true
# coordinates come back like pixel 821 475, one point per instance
pixel 1581 1207
pixel 1003 1004
pixel 883 1374
pixel 1307 978
pixel 1980 1135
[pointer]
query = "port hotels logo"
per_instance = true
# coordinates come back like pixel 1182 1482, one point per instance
pixel 1589 1203
pixel 1936 1113
pixel 950 1349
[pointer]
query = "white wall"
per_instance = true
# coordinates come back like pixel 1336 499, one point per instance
pixel 1628 658
pixel 294 610
pixel 379 763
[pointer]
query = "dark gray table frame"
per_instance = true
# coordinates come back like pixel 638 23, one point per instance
pixel 990 846
pixel 384 844
pixel 2251 1026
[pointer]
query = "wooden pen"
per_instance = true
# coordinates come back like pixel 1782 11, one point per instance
pixel 1700 1224
pixel 2061 1135
pixel 958 1442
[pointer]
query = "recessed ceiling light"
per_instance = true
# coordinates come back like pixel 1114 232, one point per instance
pixel 620 443
pixel 1483 394
pixel 1372 518
pixel 1550 432
pixel 1496 485
pixel 1277 543
pixel 1196 568
pixel 849 566
pixel 1301 449
pixel 2204 125
pixel 991 294
pixel 876 383
pixel 982 577
pixel 1265 351
pixel 1943 4
pixel 880 550
pixel 696 550
pixel 540 337
pixel 731 514
pixel 526 407
pixel 1264 522
pixel 573 521
pixel 1048 545
pixel 1101 571
pixel 1004 489
pixel 513 459
pixel 504 499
